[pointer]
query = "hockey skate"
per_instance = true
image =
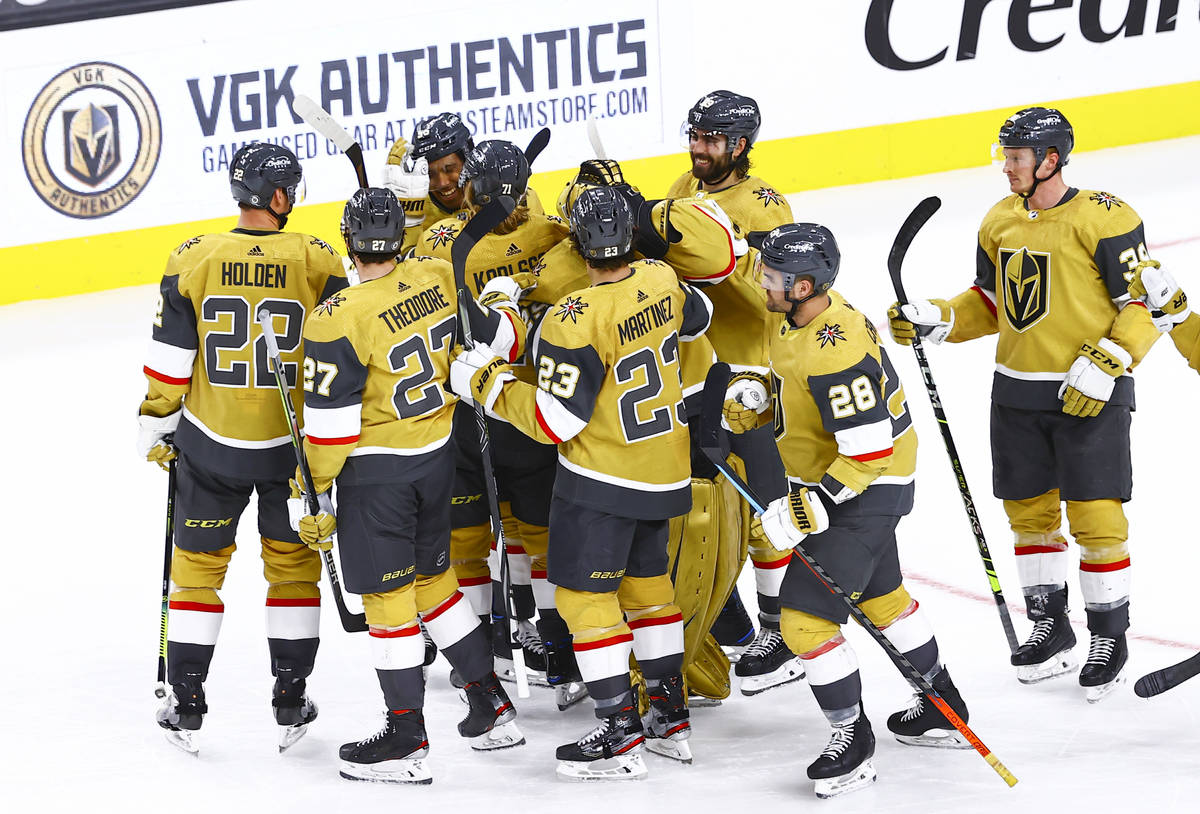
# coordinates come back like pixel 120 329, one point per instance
pixel 1104 669
pixel 534 653
pixel 845 765
pixel 923 724
pixel 491 719
pixel 611 751
pixel 181 715
pixel 562 673
pixel 767 663
pixel 394 754
pixel 431 649
pixel 294 711
pixel 667 724
pixel 1047 652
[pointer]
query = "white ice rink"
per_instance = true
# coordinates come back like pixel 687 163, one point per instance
pixel 83 539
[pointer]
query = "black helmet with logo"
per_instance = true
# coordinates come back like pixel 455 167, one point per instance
pixel 728 113
pixel 802 250
pixel 258 169
pixel 1043 129
pixel 441 135
pixel 373 222
pixel 495 168
pixel 602 223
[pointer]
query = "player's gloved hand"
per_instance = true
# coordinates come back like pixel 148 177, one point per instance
pixel 789 519
pixel 408 179
pixel 315 530
pixel 154 437
pixel 601 172
pixel 1092 376
pixel 929 319
pixel 1156 287
pixel 746 400
pixel 490 325
pixel 479 375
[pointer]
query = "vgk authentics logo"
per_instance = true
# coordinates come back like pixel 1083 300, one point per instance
pixel 1026 282
pixel 91 141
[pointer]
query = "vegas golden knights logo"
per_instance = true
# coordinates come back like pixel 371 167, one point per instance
pixel 1025 286
pixel 92 145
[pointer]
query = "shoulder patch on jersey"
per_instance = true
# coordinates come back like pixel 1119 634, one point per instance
pixel 326 308
pixel 1107 200
pixel 463 215
pixel 768 196
pixel 828 335
pixel 556 219
pixel 442 234
pixel 316 241
pixel 571 307
pixel 187 244
pixel 538 267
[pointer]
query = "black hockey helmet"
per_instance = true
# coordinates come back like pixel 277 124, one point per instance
pixel 258 169
pixel 1043 129
pixel 495 168
pixel 602 223
pixel 802 250
pixel 373 222
pixel 728 113
pixel 441 135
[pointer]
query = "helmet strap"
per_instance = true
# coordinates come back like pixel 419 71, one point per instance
pixel 1036 180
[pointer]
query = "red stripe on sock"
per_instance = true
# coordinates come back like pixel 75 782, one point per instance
pixel 609 642
pixel 471 582
pixel 442 608
pixel 1038 549
pixel 313 602
pixel 384 633
pixel 825 648
pixel 787 557
pixel 204 607
pixel 535 574
pixel 1101 567
pixel 636 624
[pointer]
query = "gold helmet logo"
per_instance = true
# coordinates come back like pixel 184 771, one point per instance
pixel 92 148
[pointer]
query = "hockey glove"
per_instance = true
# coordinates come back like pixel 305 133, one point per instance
pixel 791 518
pixel 154 437
pixel 1157 288
pixel 601 172
pixel 408 179
pixel 929 319
pixel 479 375
pixel 746 400
pixel 1092 376
pixel 315 530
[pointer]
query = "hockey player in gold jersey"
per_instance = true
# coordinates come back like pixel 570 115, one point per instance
pixel 608 394
pixel 1169 308
pixel 849 448
pixel 210 389
pixel 377 418
pixel 1052 269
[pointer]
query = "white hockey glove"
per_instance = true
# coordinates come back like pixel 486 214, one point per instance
pixel 932 320
pixel 746 399
pixel 315 530
pixel 1156 287
pixel 479 375
pixel 153 436
pixel 1092 376
pixel 789 519
pixel 408 179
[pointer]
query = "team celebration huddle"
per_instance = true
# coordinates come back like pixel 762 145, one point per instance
pixel 545 445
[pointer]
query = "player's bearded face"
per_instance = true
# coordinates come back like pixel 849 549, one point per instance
pixel 443 181
pixel 710 159
pixel 772 281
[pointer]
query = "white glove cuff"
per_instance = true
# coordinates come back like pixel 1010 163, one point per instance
pixel 152 429
pixel 749 393
pixel 1117 352
pixel 505 286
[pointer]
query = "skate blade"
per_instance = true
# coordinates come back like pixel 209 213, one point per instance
pixel 695 701
pixel 860 778
pixel 406 770
pixel 621 767
pixel 937 738
pixel 786 673
pixel 1095 695
pixel 569 694
pixel 733 652
pixel 182 739
pixel 1053 667
pixel 506 672
pixel 288 735
pixel 666 747
pixel 504 736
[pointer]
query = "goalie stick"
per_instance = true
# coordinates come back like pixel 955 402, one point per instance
pixel 1162 680
pixel 904 238
pixel 714 446
pixel 593 134
pixel 160 691
pixel 318 119
pixel 351 622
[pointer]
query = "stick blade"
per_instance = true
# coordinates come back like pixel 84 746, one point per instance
pixel 713 442
pixel 593 134
pixel 320 120
pixel 482 222
pixel 920 215
pixel 537 144
pixel 1160 681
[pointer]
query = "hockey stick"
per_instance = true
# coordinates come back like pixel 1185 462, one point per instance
pixel 536 145
pixel 1162 680
pixel 161 690
pixel 593 134
pixel 713 445
pixel 318 119
pixel 351 622
pixel 480 224
pixel 916 219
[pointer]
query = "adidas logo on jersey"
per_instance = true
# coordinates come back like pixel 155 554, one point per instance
pixel 642 296
pixel 255 252
pixel 513 248
pixel 402 286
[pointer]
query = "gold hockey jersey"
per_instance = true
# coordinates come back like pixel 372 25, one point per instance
pixel 841 420
pixel 434 212
pixel 207 353
pixel 376 357
pixel 1048 281
pixel 609 393
pixel 752 203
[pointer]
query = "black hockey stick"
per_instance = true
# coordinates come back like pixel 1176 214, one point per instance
pixel 320 120
pixel 919 216
pixel 480 224
pixel 351 622
pixel 714 445
pixel 168 547
pixel 1162 680
pixel 537 144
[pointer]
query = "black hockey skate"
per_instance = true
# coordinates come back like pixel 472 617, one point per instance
pixel 431 649
pixel 534 653
pixel 394 754
pixel 611 751
pixel 667 723
pixel 294 710
pixel 846 764
pixel 562 673
pixel 923 724
pixel 767 663
pixel 182 713
pixel 1104 669
pixel 1047 651
pixel 491 719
